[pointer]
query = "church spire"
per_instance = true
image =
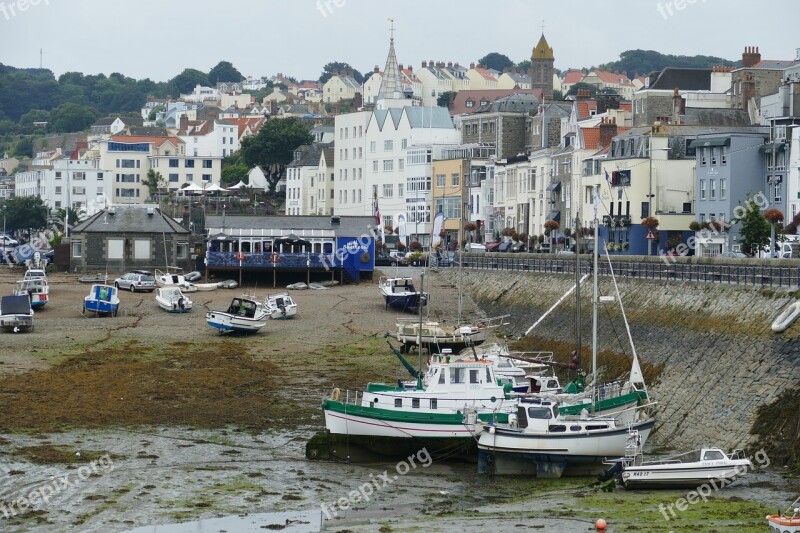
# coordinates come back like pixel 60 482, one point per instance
pixel 391 84
pixel 542 50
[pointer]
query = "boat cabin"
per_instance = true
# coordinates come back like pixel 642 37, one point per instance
pixel 242 307
pixel 543 383
pixel 399 285
pixel 542 415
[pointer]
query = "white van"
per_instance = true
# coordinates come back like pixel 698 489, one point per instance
pixel 475 248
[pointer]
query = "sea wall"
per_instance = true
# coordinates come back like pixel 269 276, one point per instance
pixel 721 360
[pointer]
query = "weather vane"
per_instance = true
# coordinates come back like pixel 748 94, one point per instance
pixel 391 28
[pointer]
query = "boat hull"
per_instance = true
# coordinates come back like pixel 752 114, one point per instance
pixel 326 446
pixel 682 476
pixel 227 322
pixel 169 308
pixel 402 302
pixel 100 307
pixel 512 451
pixel 783 524
pixel 16 323
pixel 282 314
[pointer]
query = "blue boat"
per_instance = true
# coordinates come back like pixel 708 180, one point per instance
pixel 102 300
pixel 401 294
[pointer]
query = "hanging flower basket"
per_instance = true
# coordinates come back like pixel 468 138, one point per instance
pixel 650 223
pixel 773 216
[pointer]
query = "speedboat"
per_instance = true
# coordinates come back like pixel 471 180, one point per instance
pixel 401 294
pixel 173 279
pixel 36 289
pixel 244 315
pixel 281 306
pixel 102 300
pixel 687 470
pixel 172 300
pixel 16 313
pixel 787 521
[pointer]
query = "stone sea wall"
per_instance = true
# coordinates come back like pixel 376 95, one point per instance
pixel 721 361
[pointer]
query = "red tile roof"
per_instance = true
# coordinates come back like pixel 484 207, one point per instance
pixel 626 106
pixel 612 78
pixel 591 137
pixel 573 76
pixel 485 74
pixel 157 141
pixel 584 106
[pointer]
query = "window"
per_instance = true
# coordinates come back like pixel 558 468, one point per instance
pixel 777 190
pixel 375 165
pixel 58 174
pixel 398 402
pixel 79 190
pixel 434 401
pixel 115 248
pixel 723 157
pixel 173 163
pixel 58 189
pixel 372 145
pixel 182 250
pixel 79 176
pixel 77 249
pixel 141 249
pixel 451 207
pixel 722 188
pixel 702 189
pixel 404 144
pixel 99 176
pixel 440 179
pixel 207 163
pixel 713 189
pixel 388 145
pixel 387 190
pixel 100 191
pixel 713 156
pixel 473 375
pixel 129 163
pixel 189 163
pixel 400 190
pixel 388 165
pixel 455 179
pixel 457 375
pixel 173 178
pixel 189 177
pixel 415 403
pixel 206 177
pixel 401 164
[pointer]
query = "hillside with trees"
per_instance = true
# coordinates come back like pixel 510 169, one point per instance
pixel 644 62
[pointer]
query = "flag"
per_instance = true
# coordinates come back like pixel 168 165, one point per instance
pixel 608 178
pixel 596 202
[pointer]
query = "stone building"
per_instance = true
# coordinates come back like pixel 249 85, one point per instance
pixel 756 78
pixel 541 71
pixel 504 123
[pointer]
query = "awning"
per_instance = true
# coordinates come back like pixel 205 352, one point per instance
pixel 554 186
pixel 710 141
pixel 555 214
pixel 772 148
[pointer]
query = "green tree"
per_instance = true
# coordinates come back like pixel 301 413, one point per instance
pixel 224 71
pixel 273 147
pixel 635 62
pixel 558 95
pixel 496 61
pixel 232 174
pixel 755 229
pixel 34 115
pixel 24 147
pixel 327 71
pixel 71 117
pixel 524 66
pixel 154 182
pixel 593 90
pixel 186 81
pixel 25 212
pixel 74 217
pixel 443 100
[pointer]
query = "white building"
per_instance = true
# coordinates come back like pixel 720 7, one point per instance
pixel 201 94
pixel 80 184
pixel 212 138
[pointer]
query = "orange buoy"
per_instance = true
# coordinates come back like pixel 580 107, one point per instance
pixel 600 524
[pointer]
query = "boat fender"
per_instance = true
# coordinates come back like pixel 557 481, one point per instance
pixel 336 394
pixel 512 421
pixel 786 318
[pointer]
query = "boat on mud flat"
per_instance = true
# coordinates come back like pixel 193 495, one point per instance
pixel 437 337
pixel 281 306
pixel 16 313
pixel 400 293
pixel 102 300
pixel 172 300
pixel 685 471
pixel 244 315
pixel 539 441
pixel 442 411
pixel 37 289
pixel 787 521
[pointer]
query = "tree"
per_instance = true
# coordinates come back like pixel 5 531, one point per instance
pixel 755 228
pixel 581 85
pixel 232 174
pixel 645 61
pixel 74 216
pixel 70 117
pixel 272 148
pixel 557 95
pixel 224 71
pixel 443 100
pixel 186 81
pixel 523 66
pixel 154 181
pixel 24 147
pixel 338 66
pixel 25 212
pixel 496 61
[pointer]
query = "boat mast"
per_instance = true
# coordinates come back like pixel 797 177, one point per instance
pixel 419 330
pixel 578 290
pixel 594 298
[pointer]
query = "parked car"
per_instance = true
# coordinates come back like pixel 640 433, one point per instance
pixel 475 248
pixel 5 240
pixel 136 280
pixel 737 255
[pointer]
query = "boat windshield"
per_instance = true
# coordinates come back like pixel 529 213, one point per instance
pixel 541 413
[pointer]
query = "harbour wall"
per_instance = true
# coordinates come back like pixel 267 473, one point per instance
pixel 720 361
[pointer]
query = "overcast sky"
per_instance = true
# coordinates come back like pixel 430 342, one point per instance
pixel 158 39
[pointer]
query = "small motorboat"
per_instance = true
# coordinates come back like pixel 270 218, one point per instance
pixel 172 300
pixel 281 306
pixel 437 337
pixel 36 289
pixel 199 287
pixel 97 278
pixel 401 294
pixel 173 279
pixel 16 313
pixel 787 521
pixel 102 300
pixel 688 470
pixel 244 314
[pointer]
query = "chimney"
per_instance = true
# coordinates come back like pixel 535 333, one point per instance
pixel 582 94
pixel 748 90
pixel 472 65
pixel 450 64
pixel 358 102
pixel 184 124
pixel 430 63
pixel 410 68
pixel 608 130
pixel 400 66
pixel 678 106
pixel 375 70
pixel 424 64
pixel 797 54
pixel 751 56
